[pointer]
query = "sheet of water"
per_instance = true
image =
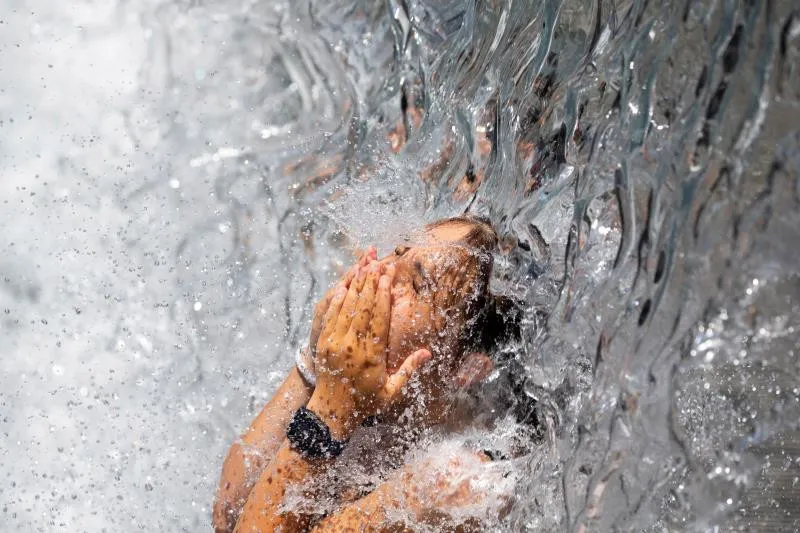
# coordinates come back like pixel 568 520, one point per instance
pixel 180 181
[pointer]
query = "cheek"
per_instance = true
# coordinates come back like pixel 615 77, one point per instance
pixel 407 332
pixel 399 332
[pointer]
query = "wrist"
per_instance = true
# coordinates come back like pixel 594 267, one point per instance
pixel 304 362
pixel 335 404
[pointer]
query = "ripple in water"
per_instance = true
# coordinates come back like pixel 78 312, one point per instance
pixel 640 162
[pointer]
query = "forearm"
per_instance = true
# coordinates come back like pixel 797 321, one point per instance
pixel 248 457
pixel 265 509
pixel 433 493
pixel 369 514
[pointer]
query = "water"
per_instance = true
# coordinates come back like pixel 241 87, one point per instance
pixel 182 179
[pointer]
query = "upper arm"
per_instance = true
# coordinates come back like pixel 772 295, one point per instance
pixel 268 429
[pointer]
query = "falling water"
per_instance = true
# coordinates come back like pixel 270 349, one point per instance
pixel 182 179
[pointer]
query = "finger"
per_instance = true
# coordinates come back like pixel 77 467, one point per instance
pixel 321 308
pixel 352 272
pixel 319 315
pixel 363 313
pixel 346 280
pixel 317 322
pixel 349 305
pixel 371 254
pixel 382 312
pixel 364 258
pixel 394 385
pixel 329 322
pixel 362 262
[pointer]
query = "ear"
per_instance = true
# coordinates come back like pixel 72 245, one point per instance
pixel 475 368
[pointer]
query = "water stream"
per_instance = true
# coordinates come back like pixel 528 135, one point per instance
pixel 182 179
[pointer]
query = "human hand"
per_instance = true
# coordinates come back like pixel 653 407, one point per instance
pixel 322 306
pixel 352 378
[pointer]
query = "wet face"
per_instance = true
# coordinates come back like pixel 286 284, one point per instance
pixel 440 280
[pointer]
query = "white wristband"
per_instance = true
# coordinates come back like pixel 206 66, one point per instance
pixel 305 365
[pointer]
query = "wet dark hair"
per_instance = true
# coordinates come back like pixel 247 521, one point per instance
pixel 494 320
pixel 497 331
pixel 481 235
pixel 496 326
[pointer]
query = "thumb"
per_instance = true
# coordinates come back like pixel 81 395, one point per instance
pixel 395 383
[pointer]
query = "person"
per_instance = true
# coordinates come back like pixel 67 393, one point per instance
pixel 393 346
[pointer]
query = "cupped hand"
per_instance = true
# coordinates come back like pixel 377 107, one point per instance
pixel 322 306
pixel 351 350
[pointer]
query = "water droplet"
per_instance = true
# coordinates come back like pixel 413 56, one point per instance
pixel 198 306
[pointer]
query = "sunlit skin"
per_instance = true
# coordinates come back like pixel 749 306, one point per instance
pixel 435 278
pixel 416 299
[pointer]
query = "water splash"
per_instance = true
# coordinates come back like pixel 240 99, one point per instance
pixel 639 160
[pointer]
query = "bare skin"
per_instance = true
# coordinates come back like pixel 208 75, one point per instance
pixel 424 286
pixel 248 456
pixel 352 384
